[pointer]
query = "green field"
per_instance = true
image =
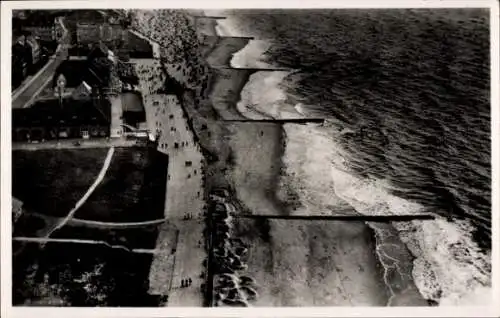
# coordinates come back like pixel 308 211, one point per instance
pixel 51 182
pixel 133 189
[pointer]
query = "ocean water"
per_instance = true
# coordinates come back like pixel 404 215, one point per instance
pixel 406 95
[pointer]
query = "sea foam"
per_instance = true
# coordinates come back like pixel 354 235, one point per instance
pixel 251 55
pixel 263 97
pixel 230 27
pixel 448 266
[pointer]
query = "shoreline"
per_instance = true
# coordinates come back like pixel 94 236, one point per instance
pixel 255 187
pixel 295 265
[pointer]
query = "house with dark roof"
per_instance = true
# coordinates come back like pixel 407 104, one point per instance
pixel 97 70
pixel 72 118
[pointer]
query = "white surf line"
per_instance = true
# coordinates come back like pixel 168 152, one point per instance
pixel 79 241
pixel 98 180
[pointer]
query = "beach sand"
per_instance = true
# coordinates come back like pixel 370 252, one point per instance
pixel 257 149
pixel 311 263
pixel 222 52
pixel 225 91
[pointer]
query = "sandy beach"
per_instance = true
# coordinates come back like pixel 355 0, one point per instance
pixel 224 48
pixel 225 91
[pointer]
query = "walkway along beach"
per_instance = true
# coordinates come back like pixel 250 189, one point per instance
pixel 184 195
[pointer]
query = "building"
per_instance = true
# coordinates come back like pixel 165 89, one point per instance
pixel 134 112
pixel 87 33
pixel 114 36
pixel 33 45
pixel 50 120
pixel 19 64
pixel 92 33
pixel 39 23
pixel 22 60
pixel 97 70
pixel 29 54
pixel 44 33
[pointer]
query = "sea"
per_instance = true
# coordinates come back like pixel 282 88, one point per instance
pixel 405 94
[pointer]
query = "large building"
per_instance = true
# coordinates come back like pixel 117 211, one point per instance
pixel 21 57
pixel 134 112
pixel 98 70
pixel 90 33
pixel 32 42
pixel 44 33
pixel 26 56
pixel 54 119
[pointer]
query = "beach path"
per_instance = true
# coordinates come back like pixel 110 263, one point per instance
pixel 184 197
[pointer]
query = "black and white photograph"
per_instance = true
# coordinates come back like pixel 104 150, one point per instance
pixel 258 157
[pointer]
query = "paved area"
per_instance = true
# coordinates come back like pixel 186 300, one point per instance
pixel 184 198
pixel 77 144
pixel 184 194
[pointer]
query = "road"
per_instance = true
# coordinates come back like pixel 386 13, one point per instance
pixel 27 93
pixel 82 143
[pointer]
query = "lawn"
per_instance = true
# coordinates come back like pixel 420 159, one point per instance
pixel 133 189
pixel 51 182
pixel 81 275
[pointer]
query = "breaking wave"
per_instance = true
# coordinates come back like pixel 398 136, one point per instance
pixel 250 55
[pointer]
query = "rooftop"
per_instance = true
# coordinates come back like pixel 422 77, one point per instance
pixel 72 112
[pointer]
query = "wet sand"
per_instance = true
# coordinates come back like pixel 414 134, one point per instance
pixel 222 52
pixel 226 90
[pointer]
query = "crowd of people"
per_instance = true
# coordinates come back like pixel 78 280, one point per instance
pixel 175 32
pixel 151 77
pixel 181 61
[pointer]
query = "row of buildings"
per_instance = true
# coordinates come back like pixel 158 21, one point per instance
pixel 34 39
pixel 111 27
pixel 98 99
pixel 92 104
pixel 123 42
